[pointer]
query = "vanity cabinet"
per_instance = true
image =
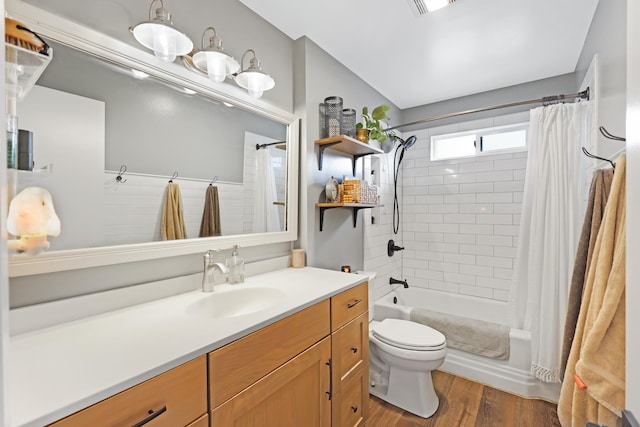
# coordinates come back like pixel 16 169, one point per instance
pixel 307 369
pixel 278 376
pixel 177 397
pixel 350 357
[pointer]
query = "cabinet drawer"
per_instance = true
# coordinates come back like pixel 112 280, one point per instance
pixel 203 421
pixel 176 398
pixel 350 346
pixel 351 405
pixel 348 305
pixel 236 366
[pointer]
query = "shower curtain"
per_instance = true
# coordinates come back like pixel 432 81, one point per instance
pixel 549 231
pixel 266 216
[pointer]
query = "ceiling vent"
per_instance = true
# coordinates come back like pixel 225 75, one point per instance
pixel 422 7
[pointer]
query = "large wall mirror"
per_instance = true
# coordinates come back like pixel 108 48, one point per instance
pixel 111 133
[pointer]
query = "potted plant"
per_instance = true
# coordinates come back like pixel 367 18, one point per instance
pixel 373 123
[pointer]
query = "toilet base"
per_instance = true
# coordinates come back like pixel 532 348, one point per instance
pixel 410 390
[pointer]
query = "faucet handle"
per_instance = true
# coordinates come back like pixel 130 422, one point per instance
pixel 210 254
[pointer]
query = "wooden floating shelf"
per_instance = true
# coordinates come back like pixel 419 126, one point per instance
pixel 345 144
pixel 355 206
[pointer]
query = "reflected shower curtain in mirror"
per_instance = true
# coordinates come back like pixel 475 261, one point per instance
pixel 266 216
pixel 549 231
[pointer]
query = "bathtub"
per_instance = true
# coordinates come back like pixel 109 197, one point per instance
pixel 510 375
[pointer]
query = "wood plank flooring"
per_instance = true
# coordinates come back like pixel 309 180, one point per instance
pixel 464 403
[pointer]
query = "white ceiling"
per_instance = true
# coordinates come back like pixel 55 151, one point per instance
pixel 471 46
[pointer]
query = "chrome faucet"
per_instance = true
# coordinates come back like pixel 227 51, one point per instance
pixel 208 279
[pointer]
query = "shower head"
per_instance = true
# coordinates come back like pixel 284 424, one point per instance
pixel 408 143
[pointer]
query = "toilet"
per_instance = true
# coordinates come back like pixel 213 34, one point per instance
pixel 402 355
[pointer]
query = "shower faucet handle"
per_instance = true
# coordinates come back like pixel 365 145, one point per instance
pixel 391 247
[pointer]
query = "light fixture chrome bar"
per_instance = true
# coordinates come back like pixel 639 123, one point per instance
pixel 544 100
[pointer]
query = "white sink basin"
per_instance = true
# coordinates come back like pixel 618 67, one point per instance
pixel 235 302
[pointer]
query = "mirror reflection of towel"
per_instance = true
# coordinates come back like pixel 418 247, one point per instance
pixel 172 227
pixel 210 225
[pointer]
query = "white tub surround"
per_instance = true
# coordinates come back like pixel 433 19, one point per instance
pixel 58 370
pixel 510 375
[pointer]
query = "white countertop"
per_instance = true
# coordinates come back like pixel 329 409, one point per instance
pixel 56 371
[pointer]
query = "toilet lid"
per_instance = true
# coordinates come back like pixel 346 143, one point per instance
pixel 408 335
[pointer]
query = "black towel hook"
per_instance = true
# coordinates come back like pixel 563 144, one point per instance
pixel 609 135
pixel 174 176
pixel 119 178
pixel 588 154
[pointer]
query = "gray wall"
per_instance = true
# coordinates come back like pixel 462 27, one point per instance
pixel 154 128
pixel 607 38
pixel 318 75
pixel 238 27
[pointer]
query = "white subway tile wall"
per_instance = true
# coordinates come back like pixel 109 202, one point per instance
pixel 460 217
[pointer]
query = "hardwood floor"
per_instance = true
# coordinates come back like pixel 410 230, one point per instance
pixel 464 403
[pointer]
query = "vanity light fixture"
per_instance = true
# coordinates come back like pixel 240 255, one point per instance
pixel 213 60
pixel 159 35
pixel 253 78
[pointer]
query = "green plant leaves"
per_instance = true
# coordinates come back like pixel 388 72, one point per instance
pixel 372 122
pixel 380 112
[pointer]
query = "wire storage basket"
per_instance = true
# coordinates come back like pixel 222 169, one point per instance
pixel 322 120
pixel 349 122
pixel 333 114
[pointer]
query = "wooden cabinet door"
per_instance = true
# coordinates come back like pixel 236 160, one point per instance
pixel 293 395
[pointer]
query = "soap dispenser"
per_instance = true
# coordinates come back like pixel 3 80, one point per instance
pixel 236 267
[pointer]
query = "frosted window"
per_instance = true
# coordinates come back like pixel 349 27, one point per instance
pixel 454 146
pixel 504 140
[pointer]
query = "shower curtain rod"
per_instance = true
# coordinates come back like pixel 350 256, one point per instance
pixel 259 146
pixel 544 100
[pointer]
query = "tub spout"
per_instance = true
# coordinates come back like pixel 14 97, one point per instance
pixel 393 281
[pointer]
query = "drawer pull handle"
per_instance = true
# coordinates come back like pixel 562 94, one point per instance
pixel 354 349
pixel 330 392
pixel 152 416
pixel 354 409
pixel 354 303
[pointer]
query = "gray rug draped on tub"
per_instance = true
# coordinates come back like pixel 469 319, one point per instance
pixel 474 336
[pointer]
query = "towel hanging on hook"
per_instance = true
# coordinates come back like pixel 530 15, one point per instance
pixel 588 154
pixel 214 180
pixel 174 176
pixel 119 178
pixel 608 135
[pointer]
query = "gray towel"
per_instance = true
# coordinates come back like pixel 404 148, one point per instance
pixel 598 195
pixel 474 336
pixel 210 225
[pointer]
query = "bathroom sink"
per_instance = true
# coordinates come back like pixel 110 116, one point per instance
pixel 235 302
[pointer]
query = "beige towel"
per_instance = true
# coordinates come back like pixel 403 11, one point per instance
pixel 210 225
pixel 598 351
pixel 474 336
pixel 598 194
pixel 172 227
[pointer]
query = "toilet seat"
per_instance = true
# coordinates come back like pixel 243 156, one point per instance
pixel 408 335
